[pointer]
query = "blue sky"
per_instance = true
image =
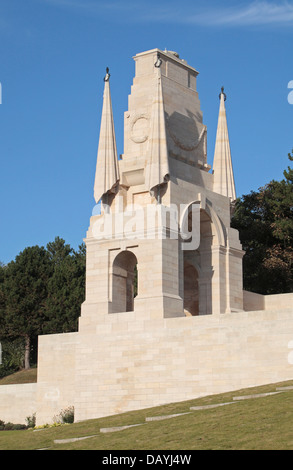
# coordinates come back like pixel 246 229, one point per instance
pixel 53 58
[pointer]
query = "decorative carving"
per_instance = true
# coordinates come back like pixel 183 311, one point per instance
pixel 139 128
pixel 107 76
pixel 189 144
pixel 158 62
pixel 222 93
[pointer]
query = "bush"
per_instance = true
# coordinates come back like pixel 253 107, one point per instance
pixel 68 415
pixel 18 427
pixel 65 416
pixel 31 421
pixel 8 426
pixel 11 427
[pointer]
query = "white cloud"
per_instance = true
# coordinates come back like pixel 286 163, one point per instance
pixel 258 12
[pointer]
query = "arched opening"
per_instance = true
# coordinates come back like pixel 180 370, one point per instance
pixel 124 282
pixel 197 269
pixel 191 292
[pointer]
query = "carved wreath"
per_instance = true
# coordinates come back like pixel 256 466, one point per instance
pixel 192 145
pixel 142 138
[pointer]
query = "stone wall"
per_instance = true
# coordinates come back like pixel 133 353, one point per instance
pixel 252 301
pixel 130 361
pixel 56 375
pixel 17 402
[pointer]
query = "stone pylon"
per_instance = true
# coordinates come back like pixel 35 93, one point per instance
pixel 157 169
pixel 223 171
pixel 107 169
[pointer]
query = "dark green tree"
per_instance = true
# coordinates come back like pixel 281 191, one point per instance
pixel 24 290
pixel 2 305
pixel 289 172
pixel 58 250
pixel 264 219
pixel 41 292
pixel 66 287
pixel 2 299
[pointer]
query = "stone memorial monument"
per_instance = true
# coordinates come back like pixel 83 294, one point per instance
pixel 165 317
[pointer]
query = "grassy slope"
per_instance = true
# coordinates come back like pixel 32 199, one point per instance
pixel 259 423
pixel 21 377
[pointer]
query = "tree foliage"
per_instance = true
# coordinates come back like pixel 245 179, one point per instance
pixel 41 292
pixel 65 287
pixel 25 292
pixel 265 223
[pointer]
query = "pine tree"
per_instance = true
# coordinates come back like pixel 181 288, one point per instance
pixel 265 223
pixel 66 287
pixel 25 291
pixel 41 292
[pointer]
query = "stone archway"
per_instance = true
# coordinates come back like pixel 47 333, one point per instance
pixel 191 292
pixel 123 282
pixel 198 268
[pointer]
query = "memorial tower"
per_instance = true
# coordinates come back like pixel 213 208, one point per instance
pixel 163 242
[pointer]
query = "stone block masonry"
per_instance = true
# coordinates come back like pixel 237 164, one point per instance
pixel 17 402
pixel 132 361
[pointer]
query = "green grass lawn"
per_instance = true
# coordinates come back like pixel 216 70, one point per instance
pixel 256 424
